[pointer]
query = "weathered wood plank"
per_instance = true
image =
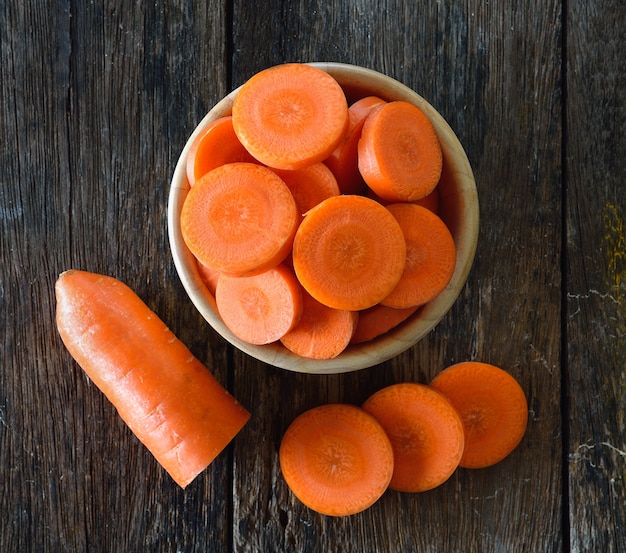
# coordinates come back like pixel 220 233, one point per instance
pixel 494 73
pixel 97 101
pixel 596 274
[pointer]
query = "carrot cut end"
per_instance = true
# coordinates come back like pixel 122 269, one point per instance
pixel 426 434
pixel 492 406
pixel 322 333
pixel 262 308
pixel 217 144
pixel 290 115
pixel 336 459
pixel 430 256
pixel 378 320
pixel 400 155
pixel 239 218
pixel 349 252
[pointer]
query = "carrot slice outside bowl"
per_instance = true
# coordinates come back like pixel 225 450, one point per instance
pixel 493 407
pixel 336 459
pixel 425 431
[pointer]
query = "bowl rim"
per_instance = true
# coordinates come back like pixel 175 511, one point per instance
pixel 397 340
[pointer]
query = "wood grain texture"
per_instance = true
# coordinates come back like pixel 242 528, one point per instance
pixel 596 274
pixel 96 101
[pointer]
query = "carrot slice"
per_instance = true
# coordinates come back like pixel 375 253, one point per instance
pixel 323 332
pixel 493 408
pixel 336 459
pixel 343 160
pixel 310 185
pixel 262 308
pixel 426 434
pixel 165 395
pixel 361 108
pixel 430 256
pixel 239 218
pixel 209 276
pixel 349 252
pixel 217 144
pixel 290 116
pixel 400 155
pixel 430 202
pixel 377 320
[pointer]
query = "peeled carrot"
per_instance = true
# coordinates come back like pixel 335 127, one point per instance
pixel 322 333
pixel 239 218
pixel 400 155
pixel 343 160
pixel 290 115
pixel 349 252
pixel 262 308
pixel 378 320
pixel 310 185
pixel 426 434
pixel 336 459
pixel 172 403
pixel 216 145
pixel 430 256
pixel 492 406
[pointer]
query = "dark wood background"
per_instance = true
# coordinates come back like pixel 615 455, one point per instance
pixel 96 101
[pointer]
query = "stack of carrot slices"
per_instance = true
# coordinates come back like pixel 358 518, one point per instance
pixel 314 222
pixel 336 460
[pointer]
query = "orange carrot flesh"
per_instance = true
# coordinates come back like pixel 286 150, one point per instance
pixel 171 402
pixel 310 185
pixel 430 202
pixel 400 156
pixel 378 320
pixel 349 252
pixel 361 108
pixel 239 218
pixel 430 256
pixel 290 115
pixel 492 406
pixel 262 308
pixel 209 276
pixel 336 459
pixel 322 333
pixel 426 434
pixel 217 144
pixel 343 160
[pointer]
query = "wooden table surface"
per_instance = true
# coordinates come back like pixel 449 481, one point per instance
pixel 98 98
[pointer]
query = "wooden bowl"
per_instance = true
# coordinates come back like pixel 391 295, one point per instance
pixel 458 208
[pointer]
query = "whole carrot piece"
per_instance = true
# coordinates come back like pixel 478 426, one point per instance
pixel 172 403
